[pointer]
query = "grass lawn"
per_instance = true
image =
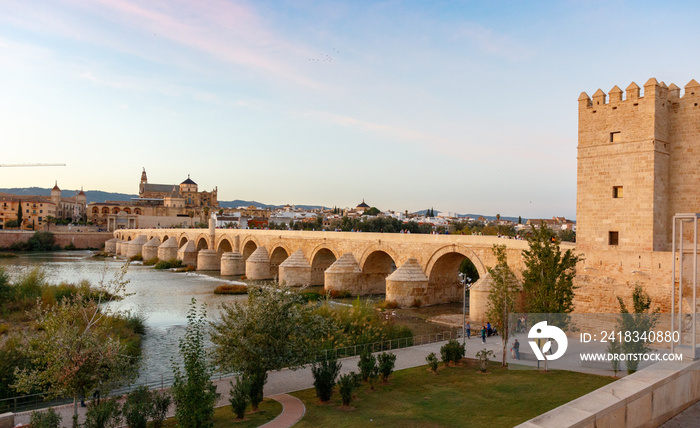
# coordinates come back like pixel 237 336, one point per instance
pixel 224 417
pixel 456 396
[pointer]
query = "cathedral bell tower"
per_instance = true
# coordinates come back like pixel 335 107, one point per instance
pixel 142 186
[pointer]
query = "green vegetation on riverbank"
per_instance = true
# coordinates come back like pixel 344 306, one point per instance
pixel 456 396
pixel 40 241
pixel 30 300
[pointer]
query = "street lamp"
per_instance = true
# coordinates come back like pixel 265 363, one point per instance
pixel 466 284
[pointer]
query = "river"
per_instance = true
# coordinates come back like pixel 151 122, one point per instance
pixel 162 297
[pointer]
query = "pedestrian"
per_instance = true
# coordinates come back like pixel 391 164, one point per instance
pixel 489 330
pixel 483 334
pixel 516 349
pixel 469 330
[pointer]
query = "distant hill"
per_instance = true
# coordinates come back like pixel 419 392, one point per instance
pixel 91 195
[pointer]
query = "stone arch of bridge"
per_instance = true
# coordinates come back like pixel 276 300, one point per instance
pixel 182 240
pixel 248 247
pixel 376 265
pixel 165 238
pixel 444 283
pixel 278 254
pixel 322 257
pixel 224 246
pixel 202 242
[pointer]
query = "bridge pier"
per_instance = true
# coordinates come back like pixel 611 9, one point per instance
pixel 343 275
pixel 134 247
pixel 408 285
pixel 149 251
pixel 232 264
pixel 187 254
pixel 208 260
pixel 478 299
pixel 111 246
pixel 258 265
pixel 295 270
pixel 168 249
pixel 121 247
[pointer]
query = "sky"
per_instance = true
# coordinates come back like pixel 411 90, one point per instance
pixel 467 107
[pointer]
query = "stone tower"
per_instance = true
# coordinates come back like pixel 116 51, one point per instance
pixel 56 195
pixel 638 159
pixel 142 185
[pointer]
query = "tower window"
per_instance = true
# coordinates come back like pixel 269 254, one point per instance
pixel 617 192
pixel 613 238
pixel 615 137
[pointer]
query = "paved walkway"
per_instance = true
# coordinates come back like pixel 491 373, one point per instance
pixel 293 409
pixel 285 381
pixel 689 418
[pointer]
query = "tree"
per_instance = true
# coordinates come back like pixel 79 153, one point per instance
pixel 275 328
pixel 371 211
pixel 498 216
pixel 75 352
pixel 432 362
pixel 105 414
pixel 325 374
pixel 141 404
pixel 193 391
pixel 347 384
pixel 385 363
pixel 19 213
pixel 238 396
pixel 503 296
pixel 642 321
pixel 520 220
pixel 548 276
pixel 367 364
pixel 47 419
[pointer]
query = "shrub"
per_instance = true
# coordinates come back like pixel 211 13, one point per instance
pixel 452 351
pixel 432 362
pixel 137 407
pixel 239 396
pixel 150 262
pixel 231 289
pixel 136 258
pixel 47 419
pixel 347 385
pixel 161 403
pixel 4 328
pixel 311 296
pixel 340 294
pixel 8 255
pixel 325 374
pixel 483 357
pixel 367 365
pixel 168 264
pixel 42 241
pixel 70 247
pixel 386 362
pixel 388 304
pixel 417 303
pixel 105 414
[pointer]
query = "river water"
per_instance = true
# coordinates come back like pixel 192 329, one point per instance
pixel 162 297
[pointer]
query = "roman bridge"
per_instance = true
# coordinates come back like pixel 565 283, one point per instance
pixel 411 269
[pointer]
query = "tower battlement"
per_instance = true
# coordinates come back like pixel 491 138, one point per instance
pixel 633 93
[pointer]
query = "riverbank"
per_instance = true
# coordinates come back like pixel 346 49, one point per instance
pixel 71 239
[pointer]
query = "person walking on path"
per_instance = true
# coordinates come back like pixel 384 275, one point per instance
pixel 469 330
pixel 516 349
pixel 483 334
pixel 489 330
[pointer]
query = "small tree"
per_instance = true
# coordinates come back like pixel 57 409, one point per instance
pixel 503 295
pixel 367 365
pixel 19 213
pixel 161 404
pixel 193 391
pixel 614 348
pixel 75 351
pixel 239 396
pixel 325 374
pixel 548 276
pixel 105 414
pixel 347 385
pixel 643 320
pixel 386 362
pixel 137 407
pixel 432 362
pixel 47 419
pixel 256 378
pixel 483 357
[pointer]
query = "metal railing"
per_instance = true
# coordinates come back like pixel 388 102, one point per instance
pixel 37 401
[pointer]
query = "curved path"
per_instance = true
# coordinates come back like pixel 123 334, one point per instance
pixel 293 410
